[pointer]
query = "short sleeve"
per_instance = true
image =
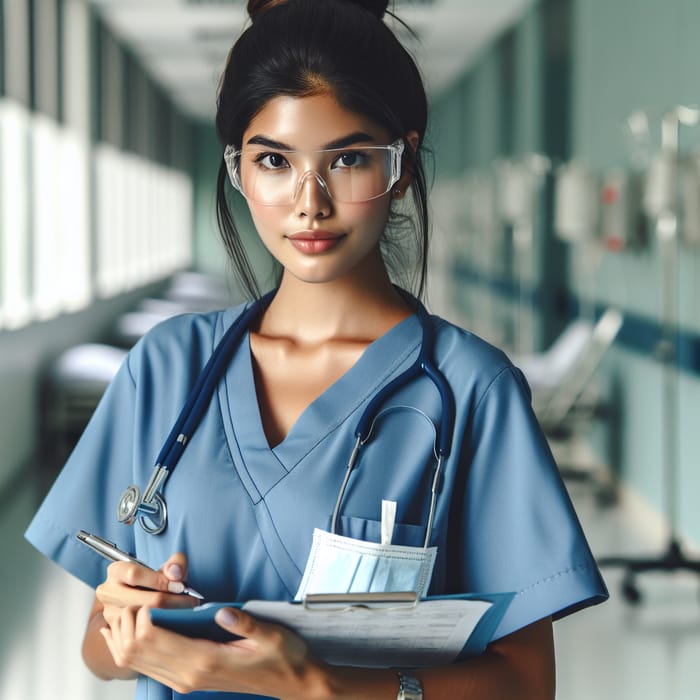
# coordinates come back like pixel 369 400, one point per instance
pixel 86 492
pixel 522 533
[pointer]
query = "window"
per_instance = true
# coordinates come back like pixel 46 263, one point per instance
pixel 15 307
pixel 90 202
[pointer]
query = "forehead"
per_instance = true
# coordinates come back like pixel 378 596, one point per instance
pixel 310 123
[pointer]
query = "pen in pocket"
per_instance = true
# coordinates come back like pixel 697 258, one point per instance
pixel 113 553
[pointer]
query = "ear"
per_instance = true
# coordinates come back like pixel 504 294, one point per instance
pixel 399 189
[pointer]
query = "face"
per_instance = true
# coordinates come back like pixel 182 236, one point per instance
pixel 314 237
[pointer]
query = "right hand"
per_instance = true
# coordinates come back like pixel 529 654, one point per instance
pixel 129 585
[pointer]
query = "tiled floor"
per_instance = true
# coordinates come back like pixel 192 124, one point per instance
pixel 611 652
pixel 618 651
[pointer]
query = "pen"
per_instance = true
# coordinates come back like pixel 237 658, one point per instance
pixel 113 553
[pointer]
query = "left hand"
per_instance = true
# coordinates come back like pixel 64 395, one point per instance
pixel 270 660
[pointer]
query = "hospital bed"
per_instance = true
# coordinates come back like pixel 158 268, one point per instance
pixel 566 397
pixel 573 393
pixel 76 379
pixel 70 390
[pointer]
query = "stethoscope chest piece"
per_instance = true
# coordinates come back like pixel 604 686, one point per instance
pixel 128 506
pixel 152 515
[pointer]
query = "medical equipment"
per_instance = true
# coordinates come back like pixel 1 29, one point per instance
pixel 520 185
pixel 577 223
pixel 576 204
pixel 622 225
pixel 566 399
pixel 662 204
pixel 690 196
pixel 150 507
pixel 553 408
pixel 70 390
pixel 111 552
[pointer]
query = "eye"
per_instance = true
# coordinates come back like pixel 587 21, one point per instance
pixel 271 161
pixel 350 159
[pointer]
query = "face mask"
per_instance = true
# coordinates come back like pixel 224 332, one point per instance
pixel 340 564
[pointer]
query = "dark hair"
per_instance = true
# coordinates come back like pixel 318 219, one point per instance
pixel 300 48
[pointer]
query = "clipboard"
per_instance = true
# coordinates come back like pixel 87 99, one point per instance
pixel 365 629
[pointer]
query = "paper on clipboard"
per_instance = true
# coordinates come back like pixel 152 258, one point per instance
pixel 373 629
pixel 380 634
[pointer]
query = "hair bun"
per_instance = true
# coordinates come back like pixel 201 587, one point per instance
pixel 257 7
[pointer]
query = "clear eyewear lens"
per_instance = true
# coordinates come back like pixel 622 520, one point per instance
pixel 346 175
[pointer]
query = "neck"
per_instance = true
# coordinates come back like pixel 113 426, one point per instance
pixel 317 312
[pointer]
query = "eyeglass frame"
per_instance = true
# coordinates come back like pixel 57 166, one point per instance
pixel 396 150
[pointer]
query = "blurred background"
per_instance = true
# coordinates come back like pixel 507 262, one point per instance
pixel 565 136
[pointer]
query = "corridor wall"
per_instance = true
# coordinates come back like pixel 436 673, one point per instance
pixel 581 68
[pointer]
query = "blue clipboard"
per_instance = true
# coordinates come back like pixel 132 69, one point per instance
pixel 338 628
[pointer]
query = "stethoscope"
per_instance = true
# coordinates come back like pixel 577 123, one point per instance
pixel 150 508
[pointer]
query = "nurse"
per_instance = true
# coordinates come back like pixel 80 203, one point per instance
pixel 322 120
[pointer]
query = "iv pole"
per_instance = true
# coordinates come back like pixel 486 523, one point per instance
pixel 661 203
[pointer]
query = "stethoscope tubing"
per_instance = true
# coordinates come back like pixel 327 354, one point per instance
pixel 422 364
pixel 200 396
pixel 151 508
pixel 152 505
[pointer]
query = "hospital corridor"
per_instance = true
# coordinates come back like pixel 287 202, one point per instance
pixel 562 160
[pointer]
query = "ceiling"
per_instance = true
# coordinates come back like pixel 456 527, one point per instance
pixel 183 43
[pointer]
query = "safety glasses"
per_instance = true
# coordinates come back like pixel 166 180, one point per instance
pixel 275 177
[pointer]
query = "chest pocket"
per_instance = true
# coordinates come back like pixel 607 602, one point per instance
pixel 370 531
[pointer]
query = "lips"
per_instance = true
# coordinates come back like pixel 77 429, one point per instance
pixel 315 242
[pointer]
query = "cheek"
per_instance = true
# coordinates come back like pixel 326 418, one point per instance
pixel 265 219
pixel 373 214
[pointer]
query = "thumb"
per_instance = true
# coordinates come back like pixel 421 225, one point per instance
pixel 235 621
pixel 175 568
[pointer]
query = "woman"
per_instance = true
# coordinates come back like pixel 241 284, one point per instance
pixel 323 115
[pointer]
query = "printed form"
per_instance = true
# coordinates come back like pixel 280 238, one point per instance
pixel 399 635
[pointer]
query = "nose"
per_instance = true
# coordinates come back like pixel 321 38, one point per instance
pixel 312 197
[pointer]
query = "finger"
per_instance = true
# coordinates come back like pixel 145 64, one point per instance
pixel 137 576
pixel 166 649
pixel 229 619
pixel 176 567
pixel 240 624
pixel 259 636
pixel 112 634
pixel 108 636
pixel 131 584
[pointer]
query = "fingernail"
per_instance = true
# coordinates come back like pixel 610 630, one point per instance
pixel 227 616
pixel 176 586
pixel 175 570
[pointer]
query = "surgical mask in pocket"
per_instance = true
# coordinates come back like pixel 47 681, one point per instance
pixel 339 564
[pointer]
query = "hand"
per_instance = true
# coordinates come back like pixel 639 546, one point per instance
pixel 129 584
pixel 270 660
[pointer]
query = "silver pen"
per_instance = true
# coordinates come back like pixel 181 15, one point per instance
pixel 110 551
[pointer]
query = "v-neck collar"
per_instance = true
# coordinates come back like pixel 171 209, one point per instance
pixel 379 362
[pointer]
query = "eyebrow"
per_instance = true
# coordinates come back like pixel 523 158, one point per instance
pixel 343 142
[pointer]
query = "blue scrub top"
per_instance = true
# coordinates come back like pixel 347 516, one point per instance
pixel 244 513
